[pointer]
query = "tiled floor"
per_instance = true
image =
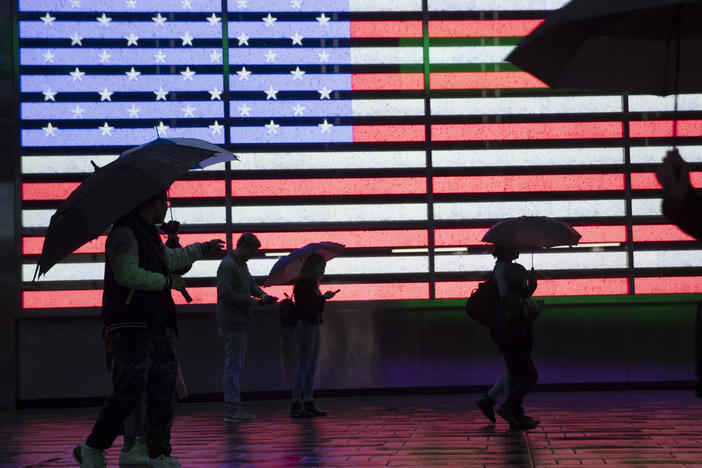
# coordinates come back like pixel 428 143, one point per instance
pixel 652 428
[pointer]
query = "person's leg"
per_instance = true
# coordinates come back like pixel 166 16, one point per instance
pixel 129 370
pixel 309 405
pixel 134 424
pixel 305 344
pixel 498 388
pixel 234 357
pixel 159 392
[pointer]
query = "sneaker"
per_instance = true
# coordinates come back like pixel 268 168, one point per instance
pixel 297 411
pixel 512 416
pixel 238 415
pixel 486 405
pixel 164 462
pixel 313 410
pixel 88 457
pixel 137 455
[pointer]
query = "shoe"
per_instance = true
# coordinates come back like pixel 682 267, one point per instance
pixel 512 416
pixel 88 457
pixel 238 415
pixel 164 462
pixel 137 455
pixel 313 410
pixel 529 423
pixel 297 411
pixel 486 405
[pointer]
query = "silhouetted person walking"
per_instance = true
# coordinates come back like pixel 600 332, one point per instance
pixel 140 319
pixel 683 206
pixel 514 334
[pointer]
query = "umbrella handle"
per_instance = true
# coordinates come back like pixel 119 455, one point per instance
pixel 186 296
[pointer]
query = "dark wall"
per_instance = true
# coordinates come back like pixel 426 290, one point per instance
pixel 9 203
pixel 624 340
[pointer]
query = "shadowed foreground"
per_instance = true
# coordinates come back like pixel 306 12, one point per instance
pixel 661 428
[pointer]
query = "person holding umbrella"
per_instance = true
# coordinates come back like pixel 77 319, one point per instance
pixel 237 292
pixel 514 337
pixel 139 316
pixel 309 301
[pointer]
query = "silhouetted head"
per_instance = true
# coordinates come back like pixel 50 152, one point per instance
pixel 247 246
pixel 503 252
pixel 313 267
pixel 154 209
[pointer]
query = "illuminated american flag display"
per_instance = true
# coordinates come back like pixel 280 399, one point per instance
pixel 393 127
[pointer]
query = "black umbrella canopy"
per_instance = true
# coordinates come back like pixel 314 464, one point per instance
pixel 114 190
pixel 531 232
pixel 638 46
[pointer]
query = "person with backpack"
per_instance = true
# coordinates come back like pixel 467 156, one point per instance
pixel 514 337
pixel 309 304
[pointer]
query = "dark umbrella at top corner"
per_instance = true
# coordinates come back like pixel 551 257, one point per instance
pixel 531 232
pixel 117 188
pixel 288 268
pixel 637 46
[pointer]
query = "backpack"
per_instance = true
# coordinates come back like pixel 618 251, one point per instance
pixel 288 312
pixel 481 306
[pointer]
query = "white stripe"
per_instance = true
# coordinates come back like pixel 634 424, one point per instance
pixel 332 160
pixel 469 54
pixel 67 272
pixel 186 215
pixel 646 207
pixel 46 164
pixel 655 154
pixel 557 209
pixel 494 5
pixel 542 261
pixel 531 105
pixel 329 213
pixel 527 157
pixel 386 55
pixel 385 5
pixel 668 258
pixel 686 102
pixel 376 107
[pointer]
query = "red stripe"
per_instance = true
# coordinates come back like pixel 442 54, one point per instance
pixel 331 187
pixel 659 233
pixel 377 29
pixel 387 133
pixel 529 183
pixel 670 285
pixel 47 190
pixel 386 81
pixel 277 240
pixel 179 189
pixel 473 236
pixel 556 287
pixel 648 180
pixel 208 295
pixel 526 131
pixel 664 128
pixel 484 80
pixel 482 28
pixel 597 234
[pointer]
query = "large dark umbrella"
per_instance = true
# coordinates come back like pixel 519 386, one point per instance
pixel 638 46
pixel 288 268
pixel 531 232
pixel 116 189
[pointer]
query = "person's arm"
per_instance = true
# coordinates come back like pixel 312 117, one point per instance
pixel 122 251
pixel 681 203
pixel 229 286
pixel 180 258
